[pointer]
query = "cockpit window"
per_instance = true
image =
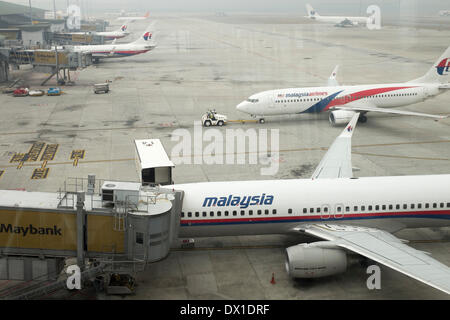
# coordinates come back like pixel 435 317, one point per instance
pixel 253 100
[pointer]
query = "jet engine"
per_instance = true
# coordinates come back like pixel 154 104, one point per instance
pixel 313 261
pixel 340 117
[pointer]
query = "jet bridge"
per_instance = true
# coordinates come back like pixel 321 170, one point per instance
pixel 120 222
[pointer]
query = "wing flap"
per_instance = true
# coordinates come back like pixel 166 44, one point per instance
pixel 386 249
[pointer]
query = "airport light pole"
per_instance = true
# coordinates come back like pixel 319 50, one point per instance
pixel 31 13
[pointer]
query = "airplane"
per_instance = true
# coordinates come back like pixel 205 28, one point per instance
pixel 340 21
pixel 118 34
pixel 348 214
pixel 143 44
pixel 135 18
pixel 343 101
pixel 444 13
pixel 109 35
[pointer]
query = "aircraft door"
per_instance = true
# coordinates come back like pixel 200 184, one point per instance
pixel 325 212
pixel 339 211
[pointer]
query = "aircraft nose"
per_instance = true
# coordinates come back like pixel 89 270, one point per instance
pixel 241 106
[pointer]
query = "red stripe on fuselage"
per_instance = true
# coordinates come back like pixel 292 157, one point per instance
pixel 360 95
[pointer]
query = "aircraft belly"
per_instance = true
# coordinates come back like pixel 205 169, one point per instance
pixel 257 228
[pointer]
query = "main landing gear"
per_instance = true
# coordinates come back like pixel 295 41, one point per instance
pixel 362 119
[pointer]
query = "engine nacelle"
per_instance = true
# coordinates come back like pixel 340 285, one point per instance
pixel 340 117
pixel 312 261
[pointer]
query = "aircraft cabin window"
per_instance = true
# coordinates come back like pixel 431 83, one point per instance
pixel 226 213
pixel 197 214
pixel 219 213
pixel 211 214
pixel 250 212
pixel 434 205
pixel 318 210
pixel 419 206
pixel 427 205
pixel 370 208
pixel 305 210
pixel 363 208
pixel 325 209
pixel 412 206
pixel 266 211
pixel 355 208
pixel 391 207
pixel 311 210
pixel 383 207
pixel 347 209
pixel 242 212
pixel 189 214
pixel 397 206
pixel 448 204
pixel 289 210
pixel 274 211
pixel 339 209
pixel 442 205
pixel 234 213
pixel 204 213
pixel 405 206
pixel 259 212
pixel 377 207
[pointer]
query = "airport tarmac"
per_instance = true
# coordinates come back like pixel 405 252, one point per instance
pixel 207 61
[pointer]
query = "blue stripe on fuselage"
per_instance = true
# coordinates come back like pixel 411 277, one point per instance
pixel 321 105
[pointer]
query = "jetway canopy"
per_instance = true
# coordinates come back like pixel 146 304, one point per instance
pixel 153 163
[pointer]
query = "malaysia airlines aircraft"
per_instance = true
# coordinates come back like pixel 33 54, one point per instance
pixel 344 21
pixel 356 215
pixel 343 101
pixel 109 35
pixel 118 34
pixel 143 44
pixel 135 18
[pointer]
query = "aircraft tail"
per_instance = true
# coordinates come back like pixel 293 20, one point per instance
pixel 123 28
pixel 311 12
pixel 147 36
pixel 439 72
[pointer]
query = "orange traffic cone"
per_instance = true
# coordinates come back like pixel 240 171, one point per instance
pixel 273 278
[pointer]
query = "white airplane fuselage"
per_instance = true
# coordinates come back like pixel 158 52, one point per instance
pixel 319 99
pixel 277 206
pixel 114 51
pixel 337 19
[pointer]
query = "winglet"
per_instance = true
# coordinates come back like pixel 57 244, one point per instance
pixel 332 82
pixel 348 131
pixel 337 162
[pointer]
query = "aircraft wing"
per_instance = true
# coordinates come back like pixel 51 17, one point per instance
pixel 332 82
pixel 337 162
pixel 360 107
pixel 384 248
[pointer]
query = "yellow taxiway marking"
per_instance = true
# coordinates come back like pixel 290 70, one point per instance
pixel 76 156
pixel 49 152
pixel 40 173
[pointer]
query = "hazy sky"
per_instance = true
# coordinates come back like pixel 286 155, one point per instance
pixel 324 7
